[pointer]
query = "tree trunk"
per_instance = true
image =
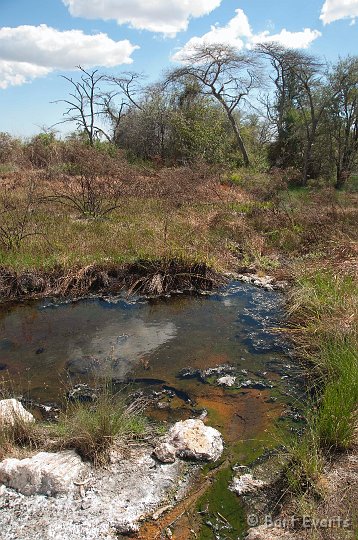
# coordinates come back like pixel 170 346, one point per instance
pixel 306 161
pixel 341 177
pixel 235 127
pixel 239 140
pixel 339 180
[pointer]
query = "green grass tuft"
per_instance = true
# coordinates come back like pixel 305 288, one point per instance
pixel 325 312
pixel 91 429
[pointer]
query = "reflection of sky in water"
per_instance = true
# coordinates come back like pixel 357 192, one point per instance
pixel 38 340
pixel 228 302
pixel 121 344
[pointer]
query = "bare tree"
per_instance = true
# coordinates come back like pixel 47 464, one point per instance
pixel 125 94
pixel 95 186
pixel 279 104
pixel 85 103
pixel 312 99
pixel 226 75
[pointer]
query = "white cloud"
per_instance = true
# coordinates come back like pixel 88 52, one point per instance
pixel 16 73
pixel 27 52
pixel 238 33
pixel 237 28
pixel 294 40
pixel 333 10
pixel 166 16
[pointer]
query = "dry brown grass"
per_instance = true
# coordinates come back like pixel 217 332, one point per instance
pixel 338 484
pixel 193 215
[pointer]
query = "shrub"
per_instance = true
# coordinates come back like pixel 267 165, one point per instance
pixel 16 223
pixel 11 151
pixel 94 182
pixel 44 150
pixel 264 186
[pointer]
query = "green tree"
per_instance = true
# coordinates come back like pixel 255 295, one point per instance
pixel 226 76
pixel 342 119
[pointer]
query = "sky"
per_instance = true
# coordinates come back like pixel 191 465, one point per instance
pixel 40 40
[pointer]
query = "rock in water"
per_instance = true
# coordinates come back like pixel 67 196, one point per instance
pixel 45 473
pixel 246 483
pixel 12 411
pixel 82 392
pixel 191 439
pixel 229 380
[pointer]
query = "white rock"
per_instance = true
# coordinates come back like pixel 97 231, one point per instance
pixel 229 380
pixel 165 452
pixel 194 440
pixel 45 473
pixel 118 498
pixel 246 483
pixel 267 282
pixel 12 410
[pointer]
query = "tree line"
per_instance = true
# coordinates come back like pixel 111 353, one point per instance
pixel 271 107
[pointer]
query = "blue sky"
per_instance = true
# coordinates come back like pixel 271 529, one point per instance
pixel 42 39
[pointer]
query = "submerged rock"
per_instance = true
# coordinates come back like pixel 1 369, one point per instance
pixel 223 370
pixel 83 365
pixel 191 439
pixel 203 374
pixel 163 405
pixel 45 473
pixel 245 484
pixel 190 373
pixel 229 380
pixel 254 384
pixel 6 344
pixel 82 392
pixel 226 375
pixel 269 283
pixel 11 411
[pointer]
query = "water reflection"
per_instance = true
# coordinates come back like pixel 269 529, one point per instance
pixel 41 343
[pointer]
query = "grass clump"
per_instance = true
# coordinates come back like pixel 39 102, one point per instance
pixel 325 314
pixel 324 304
pixel 20 436
pixel 306 462
pixel 337 413
pixel 92 429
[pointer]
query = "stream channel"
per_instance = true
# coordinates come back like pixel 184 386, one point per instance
pixel 150 344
